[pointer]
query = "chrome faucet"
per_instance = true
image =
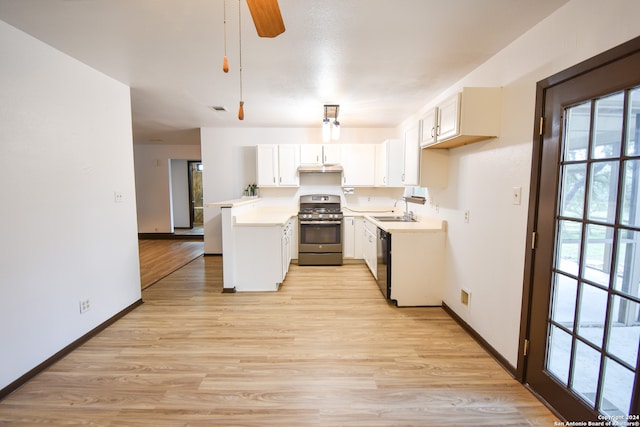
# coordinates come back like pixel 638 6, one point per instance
pixel 408 215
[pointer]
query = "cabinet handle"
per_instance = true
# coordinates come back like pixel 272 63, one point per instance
pixel 433 132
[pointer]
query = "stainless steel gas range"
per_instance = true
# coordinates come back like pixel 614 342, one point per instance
pixel 320 230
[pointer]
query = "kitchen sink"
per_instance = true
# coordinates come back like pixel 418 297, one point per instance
pixel 393 218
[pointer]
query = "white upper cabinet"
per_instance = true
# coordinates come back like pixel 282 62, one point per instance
pixel 267 165
pixel 411 172
pixel 358 162
pixel 317 154
pixel 288 163
pixel 277 165
pixel 469 116
pixel 389 163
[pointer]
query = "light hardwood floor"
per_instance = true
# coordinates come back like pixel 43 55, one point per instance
pixel 326 350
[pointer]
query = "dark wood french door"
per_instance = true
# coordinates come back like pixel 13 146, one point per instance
pixel 581 310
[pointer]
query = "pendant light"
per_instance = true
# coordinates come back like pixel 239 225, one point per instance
pixel 241 108
pixel 330 130
pixel 225 60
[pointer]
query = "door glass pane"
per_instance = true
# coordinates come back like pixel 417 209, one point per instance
pixel 618 386
pixel 592 311
pixel 586 368
pixel 568 246
pixel 633 130
pixel 624 330
pixel 630 215
pixel 628 263
pixel 597 254
pixel 603 191
pixel 608 123
pixel 573 184
pixel 564 300
pixel 576 141
pixel 559 354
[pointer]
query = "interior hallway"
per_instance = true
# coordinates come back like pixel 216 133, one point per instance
pixel 325 350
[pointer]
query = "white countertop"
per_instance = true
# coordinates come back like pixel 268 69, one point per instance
pixel 265 216
pixel 234 202
pixel 423 224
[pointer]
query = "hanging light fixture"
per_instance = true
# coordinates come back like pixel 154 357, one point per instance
pixel 225 60
pixel 330 130
pixel 241 108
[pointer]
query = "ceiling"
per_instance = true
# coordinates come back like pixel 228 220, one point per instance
pixel 381 60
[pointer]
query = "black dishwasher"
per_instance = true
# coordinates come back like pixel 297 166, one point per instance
pixel 384 262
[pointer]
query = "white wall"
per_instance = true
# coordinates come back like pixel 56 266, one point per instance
pixel 486 255
pixel 229 160
pixel 153 183
pixel 65 148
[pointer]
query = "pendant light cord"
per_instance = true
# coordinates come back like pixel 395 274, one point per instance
pixel 240 41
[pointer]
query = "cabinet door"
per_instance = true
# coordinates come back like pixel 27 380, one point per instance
pixel 358 161
pixel 411 173
pixel 395 162
pixel 428 125
pixel 288 162
pixel 310 154
pixel 332 154
pixel 266 165
pixel 381 169
pixel 348 237
pixel 449 118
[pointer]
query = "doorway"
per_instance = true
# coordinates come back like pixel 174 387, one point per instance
pixel 581 302
pixel 196 204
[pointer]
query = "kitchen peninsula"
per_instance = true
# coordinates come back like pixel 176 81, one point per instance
pixel 257 244
pixel 260 240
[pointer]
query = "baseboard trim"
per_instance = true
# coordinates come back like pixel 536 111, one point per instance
pixel 476 336
pixel 171 236
pixel 6 391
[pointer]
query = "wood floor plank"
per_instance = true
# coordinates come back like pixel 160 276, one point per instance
pixel 325 350
pixel 159 258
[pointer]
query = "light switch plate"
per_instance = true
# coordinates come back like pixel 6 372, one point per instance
pixel 516 195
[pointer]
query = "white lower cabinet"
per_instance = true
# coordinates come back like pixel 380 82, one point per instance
pixel 263 255
pixel 417 268
pixel 369 246
pixel 352 227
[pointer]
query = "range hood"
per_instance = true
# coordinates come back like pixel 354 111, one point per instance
pixel 320 169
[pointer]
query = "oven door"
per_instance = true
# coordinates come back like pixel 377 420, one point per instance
pixel 320 236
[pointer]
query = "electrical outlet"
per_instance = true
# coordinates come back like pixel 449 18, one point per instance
pixel 465 296
pixel 118 197
pixel 85 305
pixel 466 216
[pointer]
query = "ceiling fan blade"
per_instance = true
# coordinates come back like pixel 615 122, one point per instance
pixel 266 17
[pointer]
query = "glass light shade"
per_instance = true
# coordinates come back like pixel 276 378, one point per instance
pixel 326 130
pixel 335 131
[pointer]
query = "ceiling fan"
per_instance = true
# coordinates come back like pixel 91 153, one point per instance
pixel 266 17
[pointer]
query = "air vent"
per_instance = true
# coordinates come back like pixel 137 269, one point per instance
pixel 218 108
